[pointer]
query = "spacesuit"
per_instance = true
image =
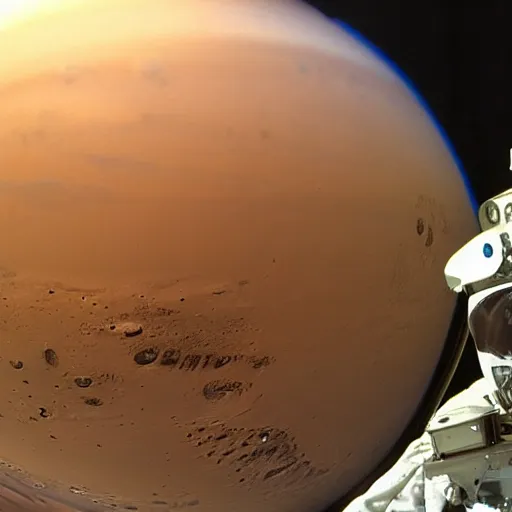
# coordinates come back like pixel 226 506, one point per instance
pixel 462 460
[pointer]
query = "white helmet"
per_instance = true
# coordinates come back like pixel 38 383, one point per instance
pixel 483 269
pixel 223 231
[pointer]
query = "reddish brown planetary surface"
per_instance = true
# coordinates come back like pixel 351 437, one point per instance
pixel 223 234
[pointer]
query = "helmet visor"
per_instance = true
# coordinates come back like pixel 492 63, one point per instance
pixel 490 323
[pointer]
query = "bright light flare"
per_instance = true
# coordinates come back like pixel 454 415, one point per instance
pixel 12 11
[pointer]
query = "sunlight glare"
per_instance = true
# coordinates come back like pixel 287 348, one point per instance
pixel 12 11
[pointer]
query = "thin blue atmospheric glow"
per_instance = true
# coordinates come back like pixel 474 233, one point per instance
pixel 408 83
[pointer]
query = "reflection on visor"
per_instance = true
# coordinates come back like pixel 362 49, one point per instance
pixel 503 379
pixel 490 324
pixel 502 375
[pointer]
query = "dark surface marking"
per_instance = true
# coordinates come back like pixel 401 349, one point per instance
pixel 256 454
pixel 219 389
pixel 170 357
pixel 206 360
pixel 95 402
pixel 160 311
pixel 277 471
pixel 221 361
pixel 260 362
pixel 51 358
pixel 264 134
pixel 147 356
pixel 174 358
pixel 190 362
pixel 16 364
pixel 183 504
pixel 420 226
pixel 420 229
pixel 128 329
pixel 83 382
pixel 430 237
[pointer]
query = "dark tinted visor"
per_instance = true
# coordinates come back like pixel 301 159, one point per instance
pixel 490 324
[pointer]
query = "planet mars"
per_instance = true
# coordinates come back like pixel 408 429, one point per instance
pixel 223 232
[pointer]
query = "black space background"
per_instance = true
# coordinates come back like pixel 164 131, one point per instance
pixel 460 60
pixel 459 57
